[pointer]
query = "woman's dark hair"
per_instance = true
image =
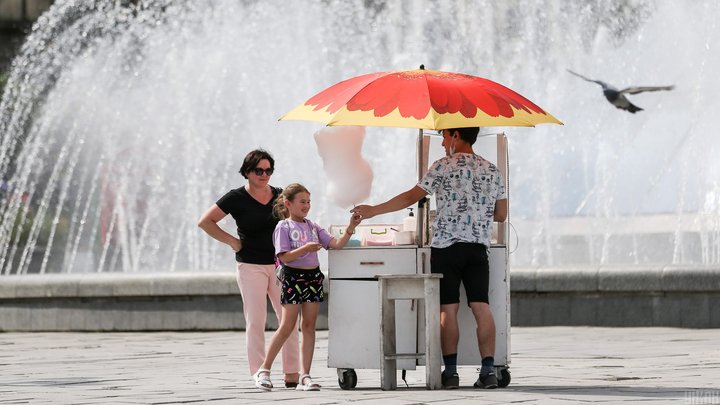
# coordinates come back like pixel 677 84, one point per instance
pixel 468 135
pixel 289 193
pixel 253 158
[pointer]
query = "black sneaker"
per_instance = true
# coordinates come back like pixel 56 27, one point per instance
pixel 450 382
pixel 487 381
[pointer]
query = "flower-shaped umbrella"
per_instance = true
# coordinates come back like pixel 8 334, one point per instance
pixel 425 99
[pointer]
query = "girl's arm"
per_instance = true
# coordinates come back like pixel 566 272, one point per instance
pixel 287 257
pixel 355 220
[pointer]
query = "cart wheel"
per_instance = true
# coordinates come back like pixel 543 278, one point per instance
pixel 347 378
pixel 503 376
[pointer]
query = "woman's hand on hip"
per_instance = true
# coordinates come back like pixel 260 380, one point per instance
pixel 235 244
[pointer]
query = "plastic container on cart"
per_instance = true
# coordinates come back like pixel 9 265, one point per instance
pixel 378 235
pixel 337 231
pixel 405 237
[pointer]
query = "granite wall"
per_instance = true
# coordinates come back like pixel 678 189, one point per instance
pixel 605 296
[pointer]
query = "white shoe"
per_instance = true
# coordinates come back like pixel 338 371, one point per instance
pixel 262 379
pixel 307 384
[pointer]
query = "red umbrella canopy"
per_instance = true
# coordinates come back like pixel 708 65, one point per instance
pixel 427 99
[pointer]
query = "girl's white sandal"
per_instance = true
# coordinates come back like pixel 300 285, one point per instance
pixel 262 379
pixel 307 384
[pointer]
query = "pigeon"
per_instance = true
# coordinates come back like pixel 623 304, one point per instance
pixel 617 97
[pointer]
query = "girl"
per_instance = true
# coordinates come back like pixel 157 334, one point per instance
pixel 297 241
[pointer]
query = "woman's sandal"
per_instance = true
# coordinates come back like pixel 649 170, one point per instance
pixel 307 384
pixel 291 380
pixel 262 379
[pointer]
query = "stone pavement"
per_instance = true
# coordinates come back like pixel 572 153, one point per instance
pixel 549 365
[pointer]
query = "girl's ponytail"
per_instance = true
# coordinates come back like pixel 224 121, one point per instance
pixel 279 208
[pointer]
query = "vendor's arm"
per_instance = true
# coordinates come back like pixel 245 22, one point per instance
pixel 208 223
pixel 340 243
pixel 501 210
pixel 398 202
pixel 287 257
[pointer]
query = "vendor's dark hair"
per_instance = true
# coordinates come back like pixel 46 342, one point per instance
pixel 468 135
pixel 289 193
pixel 253 158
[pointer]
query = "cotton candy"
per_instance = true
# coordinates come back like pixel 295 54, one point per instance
pixel 349 175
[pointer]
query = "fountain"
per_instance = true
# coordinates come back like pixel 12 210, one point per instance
pixel 121 122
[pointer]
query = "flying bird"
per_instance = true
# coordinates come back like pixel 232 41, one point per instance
pixel 617 97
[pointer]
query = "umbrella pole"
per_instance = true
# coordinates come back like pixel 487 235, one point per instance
pixel 422 204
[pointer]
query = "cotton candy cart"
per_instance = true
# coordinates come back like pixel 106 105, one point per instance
pixel 353 305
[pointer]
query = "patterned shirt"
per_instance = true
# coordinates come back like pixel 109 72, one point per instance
pixel 466 187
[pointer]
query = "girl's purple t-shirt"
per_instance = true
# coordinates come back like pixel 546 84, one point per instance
pixel 290 235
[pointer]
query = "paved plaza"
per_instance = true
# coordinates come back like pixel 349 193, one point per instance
pixel 550 365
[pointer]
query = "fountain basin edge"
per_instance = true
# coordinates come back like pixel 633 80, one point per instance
pixel 675 296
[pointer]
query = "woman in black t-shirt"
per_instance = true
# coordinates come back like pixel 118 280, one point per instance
pixel 251 207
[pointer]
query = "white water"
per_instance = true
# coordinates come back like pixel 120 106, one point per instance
pixel 120 127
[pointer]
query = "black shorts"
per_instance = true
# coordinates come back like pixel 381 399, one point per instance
pixel 462 262
pixel 300 285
